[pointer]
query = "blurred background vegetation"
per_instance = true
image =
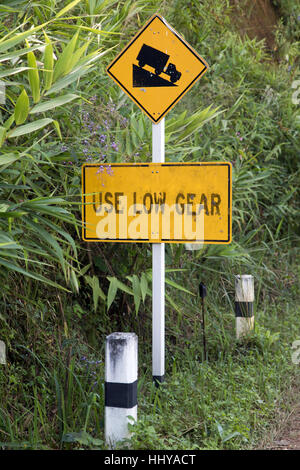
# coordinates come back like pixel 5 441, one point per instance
pixel 61 296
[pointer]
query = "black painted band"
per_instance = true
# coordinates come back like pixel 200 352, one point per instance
pixel 158 379
pixel 244 309
pixel 118 395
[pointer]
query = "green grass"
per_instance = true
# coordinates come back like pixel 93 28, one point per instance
pixel 55 398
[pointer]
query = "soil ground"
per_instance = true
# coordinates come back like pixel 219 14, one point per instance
pixel 287 435
pixel 256 19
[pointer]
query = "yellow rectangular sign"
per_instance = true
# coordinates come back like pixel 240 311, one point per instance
pixel 157 202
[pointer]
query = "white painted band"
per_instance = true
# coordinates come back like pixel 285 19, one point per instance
pixel 244 288
pixel 116 424
pixel 244 325
pixel 121 358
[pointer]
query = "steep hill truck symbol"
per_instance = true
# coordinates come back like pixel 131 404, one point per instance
pixel 158 61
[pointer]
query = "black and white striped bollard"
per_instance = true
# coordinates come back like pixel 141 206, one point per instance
pixel 121 374
pixel 244 300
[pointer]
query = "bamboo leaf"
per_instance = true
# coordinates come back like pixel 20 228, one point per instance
pixel 64 62
pixel 57 128
pixel 6 159
pixel 74 280
pixel 6 43
pixel 144 286
pixel 136 292
pixel 112 291
pixel 33 76
pixel 13 71
pixel 68 79
pixel 9 121
pixel 22 108
pixel 12 214
pixel 177 286
pixel 93 282
pixel 67 8
pixel 77 55
pixel 2 135
pixel 54 103
pixel 123 287
pixel 48 63
pixel 7 242
pixel 38 277
pixel 49 239
pixel 64 234
pixel 19 53
pixel 28 128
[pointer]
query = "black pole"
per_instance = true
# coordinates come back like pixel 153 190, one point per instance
pixel 202 291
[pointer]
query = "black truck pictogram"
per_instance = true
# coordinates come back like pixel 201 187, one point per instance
pixel 158 60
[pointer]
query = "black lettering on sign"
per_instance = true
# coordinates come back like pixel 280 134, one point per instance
pixel 159 201
pixel 203 201
pixel 117 202
pixel 179 196
pixel 215 203
pixel 150 202
pixel 134 204
pixel 159 198
pixel 108 199
pixel 189 200
pixel 96 207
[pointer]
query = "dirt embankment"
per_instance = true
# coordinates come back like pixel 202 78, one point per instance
pixel 256 19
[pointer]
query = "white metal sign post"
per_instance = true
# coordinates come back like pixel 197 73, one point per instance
pixel 156 69
pixel 158 273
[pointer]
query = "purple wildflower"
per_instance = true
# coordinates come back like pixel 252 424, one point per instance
pixel 101 170
pixel 109 170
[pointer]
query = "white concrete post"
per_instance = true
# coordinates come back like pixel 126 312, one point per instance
pixel 121 373
pixel 2 353
pixel 158 273
pixel 244 299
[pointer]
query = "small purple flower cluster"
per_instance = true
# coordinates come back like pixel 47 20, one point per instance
pixel 238 134
pixel 65 148
pixel 91 374
pixel 99 135
pixel 109 170
pixel 101 172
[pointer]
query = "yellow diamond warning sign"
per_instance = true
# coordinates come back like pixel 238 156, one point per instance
pixel 157 68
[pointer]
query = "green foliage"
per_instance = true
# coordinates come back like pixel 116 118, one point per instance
pixel 26 205
pixel 60 297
